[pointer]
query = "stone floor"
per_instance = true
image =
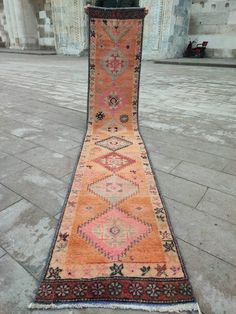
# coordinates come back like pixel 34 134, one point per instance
pixel 188 119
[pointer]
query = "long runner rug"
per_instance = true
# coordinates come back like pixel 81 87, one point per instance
pixel 114 246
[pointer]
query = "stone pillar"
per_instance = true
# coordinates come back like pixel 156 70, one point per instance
pixel 10 22
pixel 70 26
pixel 166 28
pixel 21 24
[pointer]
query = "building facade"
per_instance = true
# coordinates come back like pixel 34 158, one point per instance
pixel 215 21
pixel 62 25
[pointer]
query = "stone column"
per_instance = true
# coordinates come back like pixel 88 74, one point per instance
pixel 21 23
pixel 166 28
pixel 10 22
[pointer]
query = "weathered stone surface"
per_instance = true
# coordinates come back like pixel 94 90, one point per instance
pixel 18 287
pixel 73 153
pixel 9 165
pixel 17 128
pixel 37 187
pixel 162 162
pixel 11 144
pixel 173 187
pixel 51 162
pixel 192 109
pixel 213 280
pixel 208 233
pixel 208 177
pixel 219 204
pixel 26 233
pixel 231 168
pixel 187 154
pixel 7 197
pixel 2 252
pixel 57 143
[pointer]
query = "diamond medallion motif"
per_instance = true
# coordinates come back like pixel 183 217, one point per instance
pixel 114 143
pixel 114 161
pixel 114 189
pixel 114 232
pixel 115 63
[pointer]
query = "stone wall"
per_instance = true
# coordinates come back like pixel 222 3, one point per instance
pixel 215 22
pixel 45 26
pixel 70 26
pixel 166 28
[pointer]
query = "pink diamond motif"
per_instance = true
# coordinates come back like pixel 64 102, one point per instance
pixel 114 143
pixel 114 189
pixel 114 232
pixel 114 161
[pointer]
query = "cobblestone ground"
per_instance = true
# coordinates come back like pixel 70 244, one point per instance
pixel 188 118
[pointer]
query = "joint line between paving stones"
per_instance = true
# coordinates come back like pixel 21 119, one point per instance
pixel 20 263
pixel 202 197
pixel 199 210
pixel 28 200
pixel 12 204
pixel 30 125
pixel 221 259
pixel 44 171
pixel 195 182
pixel 197 149
pixel 51 104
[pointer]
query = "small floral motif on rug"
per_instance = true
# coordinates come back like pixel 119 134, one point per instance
pixel 114 246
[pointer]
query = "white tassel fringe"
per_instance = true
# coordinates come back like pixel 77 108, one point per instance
pixel 177 308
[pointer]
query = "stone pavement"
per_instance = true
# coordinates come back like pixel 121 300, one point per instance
pixel 188 120
pixel 215 62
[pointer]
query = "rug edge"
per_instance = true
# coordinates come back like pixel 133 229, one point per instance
pixel 176 308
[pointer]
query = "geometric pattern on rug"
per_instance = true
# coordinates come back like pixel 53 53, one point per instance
pixel 115 32
pixel 114 232
pixel 114 143
pixel 114 189
pixel 114 161
pixel 114 246
pixel 115 63
pixel 112 126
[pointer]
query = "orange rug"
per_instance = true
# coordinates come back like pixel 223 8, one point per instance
pixel 114 246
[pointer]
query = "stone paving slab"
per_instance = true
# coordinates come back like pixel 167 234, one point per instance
pixel 224 151
pixel 9 165
pixel 163 162
pixel 16 128
pixel 26 233
pixel 51 162
pixel 57 143
pixel 188 123
pixel 18 287
pixel 7 197
pixel 214 281
pixel 191 155
pixel 208 177
pixel 173 187
pixel 231 168
pixel 11 144
pixel 204 231
pixel 209 62
pixel 219 204
pixel 37 187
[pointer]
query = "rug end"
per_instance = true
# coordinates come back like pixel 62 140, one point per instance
pixel 178 308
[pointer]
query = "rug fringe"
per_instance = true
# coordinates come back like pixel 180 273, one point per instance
pixel 178 308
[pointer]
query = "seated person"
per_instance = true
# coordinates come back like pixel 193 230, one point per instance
pixel 117 3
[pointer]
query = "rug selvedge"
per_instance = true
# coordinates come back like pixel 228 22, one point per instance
pixel 114 242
